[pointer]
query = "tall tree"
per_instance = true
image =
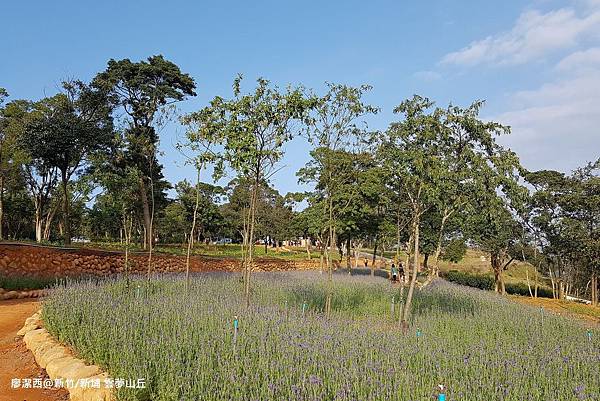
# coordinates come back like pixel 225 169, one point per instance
pixel 564 218
pixel 336 124
pixel 3 157
pixel 40 176
pixel 411 151
pixel 498 198
pixel 143 91
pixel 470 157
pixel 12 156
pixel 252 128
pixel 66 130
pixel 200 137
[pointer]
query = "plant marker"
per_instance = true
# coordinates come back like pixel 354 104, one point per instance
pixel 589 335
pixel 304 306
pixel 235 328
pixel 138 291
pixel 393 306
pixel 442 393
pixel 542 313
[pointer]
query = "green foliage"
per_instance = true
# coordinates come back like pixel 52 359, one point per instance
pixel 142 88
pixel 143 91
pixel 486 282
pixel 252 128
pixel 564 221
pixel 454 251
pixel 64 130
pixel 523 289
pixel 13 283
pixel 483 282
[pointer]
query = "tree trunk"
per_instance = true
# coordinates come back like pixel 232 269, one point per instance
pixel 150 230
pixel 348 261
pixel 1 207
pixel 127 226
pixel 413 281
pixel 307 241
pixel 553 282
pixel 375 250
pixel 322 258
pixel 561 289
pixel 251 221
pixel 147 218
pixel 435 270
pixel 38 223
pixel 398 236
pixel 191 237
pixel 425 262
pixel 499 286
pixel 594 295
pixel 47 224
pixel 328 257
pixel 528 282
pixel 66 211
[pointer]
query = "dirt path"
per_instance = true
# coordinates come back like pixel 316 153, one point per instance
pixel 15 360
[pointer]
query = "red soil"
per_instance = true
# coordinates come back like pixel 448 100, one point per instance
pixel 16 361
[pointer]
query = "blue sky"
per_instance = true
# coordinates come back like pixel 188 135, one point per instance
pixel 537 63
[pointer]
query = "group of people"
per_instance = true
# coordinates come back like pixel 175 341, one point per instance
pixel 397 273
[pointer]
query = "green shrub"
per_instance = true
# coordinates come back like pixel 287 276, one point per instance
pixel 480 281
pixel 523 289
pixel 13 283
pixel 485 282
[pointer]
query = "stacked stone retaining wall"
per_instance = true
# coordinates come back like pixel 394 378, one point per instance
pixel 45 261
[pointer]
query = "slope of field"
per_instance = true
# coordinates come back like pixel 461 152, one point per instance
pixel 479 345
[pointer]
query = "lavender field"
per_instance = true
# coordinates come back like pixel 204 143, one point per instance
pixel 480 346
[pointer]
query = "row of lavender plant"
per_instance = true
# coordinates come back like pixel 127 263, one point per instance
pixel 481 347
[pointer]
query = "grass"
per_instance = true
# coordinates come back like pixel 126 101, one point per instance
pixel 478 262
pixel 226 250
pixel 14 283
pixel 586 312
pixel 481 346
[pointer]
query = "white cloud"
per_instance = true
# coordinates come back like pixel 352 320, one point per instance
pixel 579 61
pixel 556 126
pixel 428 76
pixel 533 36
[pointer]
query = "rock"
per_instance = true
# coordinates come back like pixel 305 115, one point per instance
pixel 78 370
pixel 56 366
pixel 53 353
pixel 35 338
pixel 41 350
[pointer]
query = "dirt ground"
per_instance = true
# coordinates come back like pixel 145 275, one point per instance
pixel 16 362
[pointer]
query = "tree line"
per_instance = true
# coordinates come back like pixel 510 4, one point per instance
pixel 86 162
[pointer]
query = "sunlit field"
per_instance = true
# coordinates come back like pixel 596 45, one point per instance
pixel 479 345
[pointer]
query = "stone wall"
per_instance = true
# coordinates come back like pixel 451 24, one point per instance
pixel 44 261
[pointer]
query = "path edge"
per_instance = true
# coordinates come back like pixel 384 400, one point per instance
pixel 60 363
